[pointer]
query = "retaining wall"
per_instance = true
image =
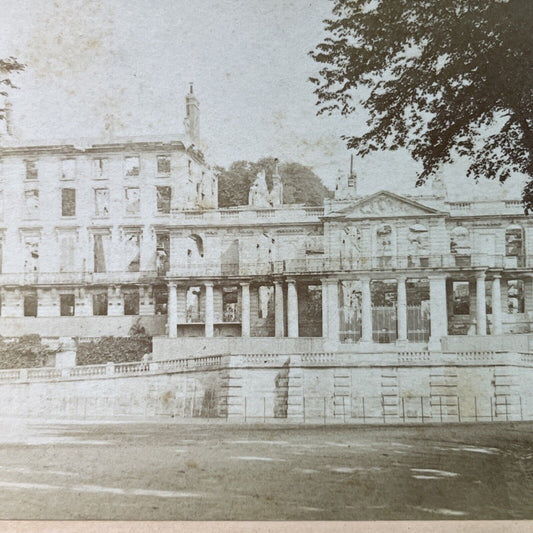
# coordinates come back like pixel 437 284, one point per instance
pixel 408 387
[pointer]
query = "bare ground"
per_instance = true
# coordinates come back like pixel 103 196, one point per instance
pixel 212 471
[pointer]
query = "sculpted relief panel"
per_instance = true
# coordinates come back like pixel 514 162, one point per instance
pixel 385 205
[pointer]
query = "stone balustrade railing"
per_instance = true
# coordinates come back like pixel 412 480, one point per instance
pixel 269 360
pixel 311 265
pixel 320 265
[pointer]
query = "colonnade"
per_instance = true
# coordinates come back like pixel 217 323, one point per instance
pixel 279 309
pixel 330 308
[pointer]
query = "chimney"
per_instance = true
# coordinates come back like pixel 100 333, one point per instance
pixel 352 180
pixel 192 116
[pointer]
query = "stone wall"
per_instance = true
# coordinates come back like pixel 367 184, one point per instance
pixel 77 326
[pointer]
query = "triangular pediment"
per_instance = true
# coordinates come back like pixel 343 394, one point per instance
pixel 384 204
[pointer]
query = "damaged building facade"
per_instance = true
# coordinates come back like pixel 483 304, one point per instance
pixel 98 236
pixel 380 307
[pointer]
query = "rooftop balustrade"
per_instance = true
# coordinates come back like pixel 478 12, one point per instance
pixel 243 214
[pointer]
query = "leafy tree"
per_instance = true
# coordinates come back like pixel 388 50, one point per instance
pixel 300 184
pixel 442 78
pixel 8 67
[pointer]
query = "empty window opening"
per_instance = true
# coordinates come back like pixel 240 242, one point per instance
pixel 161 300
pixel 461 297
pixel 31 170
pixel 230 308
pixel 131 166
pixel 100 301
pixel 163 164
pixel 68 169
pixel 30 305
pixel 194 313
pixel 66 304
pixel 68 202
pixel 132 197
pixel 163 200
pixel 515 296
pixel 265 295
pixel 101 202
pixel 100 166
pixel 131 302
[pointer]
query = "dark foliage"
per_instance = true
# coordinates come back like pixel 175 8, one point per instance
pixel 113 349
pixel 8 67
pixel 438 77
pixel 300 184
pixel 24 352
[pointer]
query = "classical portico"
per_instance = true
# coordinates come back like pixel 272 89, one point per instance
pixel 364 308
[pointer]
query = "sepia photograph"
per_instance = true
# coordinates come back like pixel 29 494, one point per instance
pixel 266 261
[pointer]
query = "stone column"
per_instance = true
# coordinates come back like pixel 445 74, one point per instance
pixel 209 310
pixel 278 309
pixel 331 312
pixel 497 328
pixel 481 309
pixel 292 309
pixel 438 311
pixel 325 317
pixel 172 310
pixel 245 309
pixel 401 304
pixel 366 310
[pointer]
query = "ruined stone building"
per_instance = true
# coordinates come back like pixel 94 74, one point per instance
pixel 95 236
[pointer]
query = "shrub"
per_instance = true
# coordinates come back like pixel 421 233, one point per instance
pixel 27 351
pixel 113 350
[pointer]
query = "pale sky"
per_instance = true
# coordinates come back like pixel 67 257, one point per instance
pixel 133 59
